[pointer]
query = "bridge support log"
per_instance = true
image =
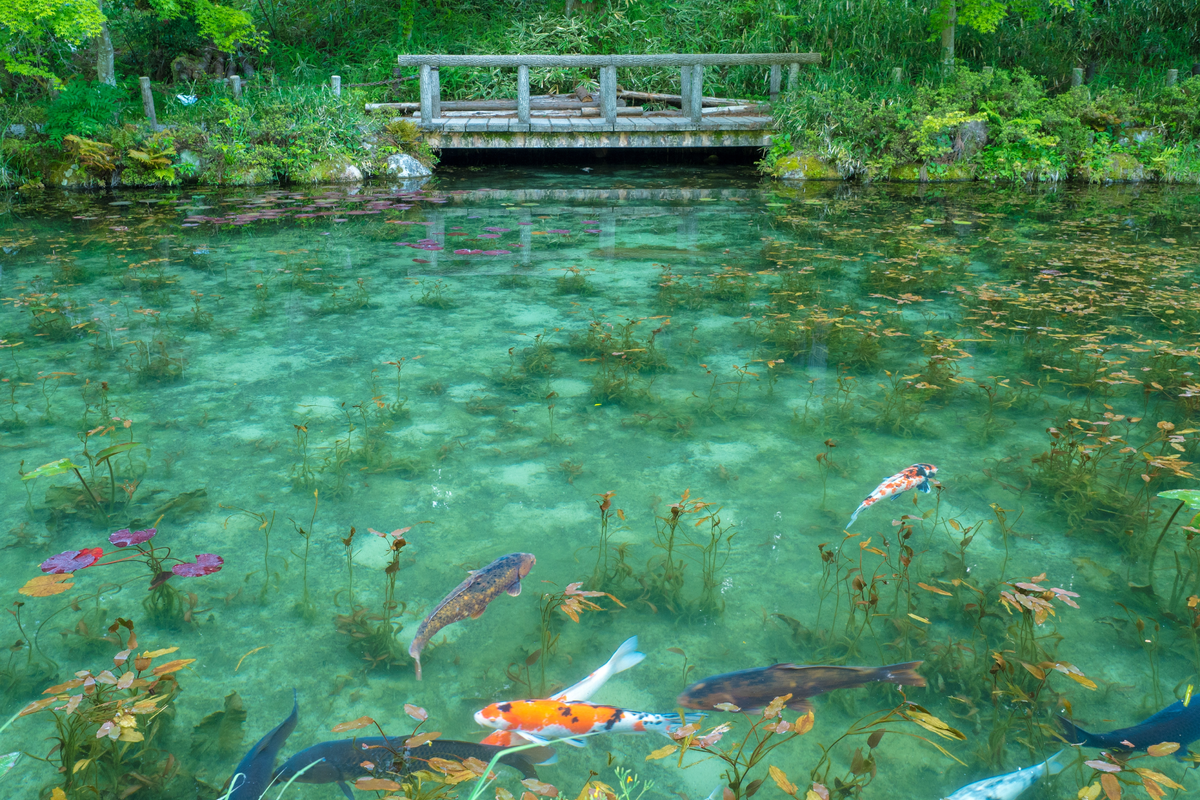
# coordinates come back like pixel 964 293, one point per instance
pixel 793 77
pixel 435 82
pixel 695 93
pixel 608 94
pixel 523 94
pixel 776 82
pixel 426 86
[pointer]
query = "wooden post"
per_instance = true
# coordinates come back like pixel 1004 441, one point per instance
pixel 523 94
pixel 1077 77
pixel 696 89
pixel 897 74
pixel 235 83
pixel 335 83
pixel 793 77
pixel 435 92
pixel 1172 76
pixel 148 101
pixel 426 94
pixel 608 94
pixel 776 80
pixel 685 90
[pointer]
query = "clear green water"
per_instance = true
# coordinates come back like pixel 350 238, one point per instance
pixel 758 322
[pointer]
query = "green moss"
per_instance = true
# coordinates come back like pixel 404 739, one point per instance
pixel 805 167
pixel 1118 167
pixel 906 172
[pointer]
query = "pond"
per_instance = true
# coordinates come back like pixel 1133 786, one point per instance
pixel 673 387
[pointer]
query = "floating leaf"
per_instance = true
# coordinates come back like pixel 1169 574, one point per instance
pixel 781 780
pixel 1189 496
pixel 931 723
pixel 662 752
pixel 775 706
pixel 53 468
pixel 353 725
pixel 416 712
pixel 503 794
pixel 934 589
pixel 205 564
pixel 72 560
pixel 1157 777
pixel 1111 786
pixel 46 585
pixel 38 705
pixel 125 537
pixel 727 707
pixel 539 788
pixel 376 785
pixel 1162 749
pixel 172 666
pixel 421 738
pixel 1103 766
pixel 109 452
pixel 595 790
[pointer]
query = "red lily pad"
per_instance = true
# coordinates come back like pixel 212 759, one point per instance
pixel 124 537
pixel 205 564
pixel 72 560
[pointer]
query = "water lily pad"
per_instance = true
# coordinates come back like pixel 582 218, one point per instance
pixel 1189 496
pixel 205 564
pixel 72 560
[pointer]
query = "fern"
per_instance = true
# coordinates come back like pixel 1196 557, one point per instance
pixel 85 109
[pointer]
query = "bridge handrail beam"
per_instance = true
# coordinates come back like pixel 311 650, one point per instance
pixel 623 61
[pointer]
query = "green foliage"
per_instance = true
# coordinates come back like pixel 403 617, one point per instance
pixel 27 26
pixel 85 109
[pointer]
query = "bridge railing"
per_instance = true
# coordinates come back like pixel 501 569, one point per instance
pixel 691 74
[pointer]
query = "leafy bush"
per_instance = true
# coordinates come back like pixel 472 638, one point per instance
pixel 85 109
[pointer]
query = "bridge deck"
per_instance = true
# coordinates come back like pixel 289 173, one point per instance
pixel 652 131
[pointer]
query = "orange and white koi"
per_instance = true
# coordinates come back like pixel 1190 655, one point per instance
pixel 627 656
pixel 915 477
pixel 542 721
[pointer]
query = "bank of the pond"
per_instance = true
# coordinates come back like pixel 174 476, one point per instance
pixel 995 126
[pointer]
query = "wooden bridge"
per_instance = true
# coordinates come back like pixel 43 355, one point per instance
pixel 602 119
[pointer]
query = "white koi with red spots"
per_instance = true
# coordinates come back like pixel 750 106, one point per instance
pixel 915 477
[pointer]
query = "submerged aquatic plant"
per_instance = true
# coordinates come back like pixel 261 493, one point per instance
pixel 163 603
pixel 98 717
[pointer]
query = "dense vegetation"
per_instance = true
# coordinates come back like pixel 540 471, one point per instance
pixel 71 69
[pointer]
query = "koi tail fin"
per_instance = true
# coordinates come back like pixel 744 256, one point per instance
pixel 902 674
pixel 1054 763
pixel 524 760
pixel 627 656
pixel 1073 734
pixel 417 664
pixel 854 516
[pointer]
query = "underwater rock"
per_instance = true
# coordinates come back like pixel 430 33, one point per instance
pixel 402 165
pixel 804 167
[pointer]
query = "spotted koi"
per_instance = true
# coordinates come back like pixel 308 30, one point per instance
pixel 541 721
pixel 915 477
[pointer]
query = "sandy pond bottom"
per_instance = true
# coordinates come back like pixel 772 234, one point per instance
pixel 483 357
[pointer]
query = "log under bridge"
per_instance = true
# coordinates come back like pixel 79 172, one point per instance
pixel 597 119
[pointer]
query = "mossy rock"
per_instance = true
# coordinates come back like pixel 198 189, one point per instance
pixel 239 176
pixel 138 178
pixel 1119 168
pixel 804 167
pixel 69 175
pixel 331 171
pixel 944 173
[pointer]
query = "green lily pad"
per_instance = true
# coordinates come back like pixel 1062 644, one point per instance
pixel 53 468
pixel 109 452
pixel 8 761
pixel 1189 496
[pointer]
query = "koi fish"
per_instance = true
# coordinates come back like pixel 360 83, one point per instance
pixel 1007 787
pixel 543 721
pixel 754 689
pixel 346 760
pixel 255 770
pixel 915 477
pixel 626 656
pixel 1175 723
pixel 471 597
